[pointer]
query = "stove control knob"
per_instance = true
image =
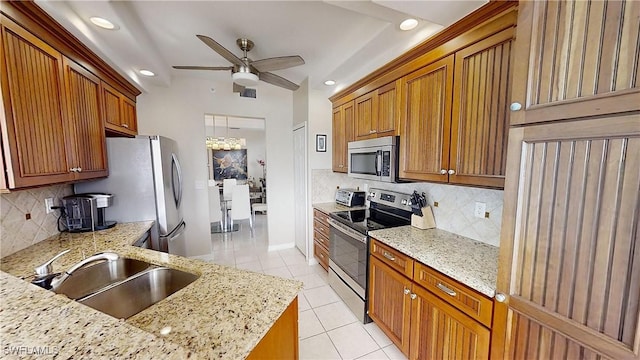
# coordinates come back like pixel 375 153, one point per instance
pixel 372 195
pixel 403 202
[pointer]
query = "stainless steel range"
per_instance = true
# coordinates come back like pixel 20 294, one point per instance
pixel 349 244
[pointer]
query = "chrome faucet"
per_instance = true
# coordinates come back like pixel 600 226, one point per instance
pixel 50 281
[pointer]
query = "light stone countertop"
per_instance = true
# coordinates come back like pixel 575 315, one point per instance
pixel 333 207
pixel 223 314
pixel 470 262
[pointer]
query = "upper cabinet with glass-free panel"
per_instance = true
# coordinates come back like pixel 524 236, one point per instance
pixel 577 59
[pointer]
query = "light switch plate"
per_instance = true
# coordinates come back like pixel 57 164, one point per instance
pixel 48 203
pixel 480 209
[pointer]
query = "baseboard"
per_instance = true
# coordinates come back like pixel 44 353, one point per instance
pixel 281 246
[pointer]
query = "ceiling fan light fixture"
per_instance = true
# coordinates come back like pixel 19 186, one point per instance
pixel 103 23
pixel 244 78
pixel 408 24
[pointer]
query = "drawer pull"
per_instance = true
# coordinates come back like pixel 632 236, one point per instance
pixel 413 296
pixel 406 291
pixel 389 256
pixel 446 289
pixel 322 256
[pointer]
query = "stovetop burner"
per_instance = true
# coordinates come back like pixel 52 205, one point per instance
pixel 364 221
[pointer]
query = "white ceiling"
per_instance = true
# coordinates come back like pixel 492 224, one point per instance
pixel 340 40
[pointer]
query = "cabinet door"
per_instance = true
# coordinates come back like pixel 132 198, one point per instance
pixel 342 134
pixel 85 117
pixel 577 59
pixel 388 109
pixel 389 302
pixel 366 109
pixel 480 115
pixel 129 118
pixel 34 131
pixel 119 111
pixel 440 331
pixel 425 125
pixel 569 257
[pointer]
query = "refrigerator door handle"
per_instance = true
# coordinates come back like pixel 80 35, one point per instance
pixel 175 232
pixel 176 183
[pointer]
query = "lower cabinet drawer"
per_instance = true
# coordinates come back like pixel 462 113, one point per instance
pixel 321 227
pixel 321 239
pixel 321 254
pixel 392 257
pixel 463 298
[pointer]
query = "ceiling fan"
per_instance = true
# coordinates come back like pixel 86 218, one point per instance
pixel 246 72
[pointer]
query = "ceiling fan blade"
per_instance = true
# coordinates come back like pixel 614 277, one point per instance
pixel 278 63
pixel 276 80
pixel 237 88
pixel 221 50
pixel 203 67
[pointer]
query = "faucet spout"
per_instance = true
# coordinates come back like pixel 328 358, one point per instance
pixel 106 256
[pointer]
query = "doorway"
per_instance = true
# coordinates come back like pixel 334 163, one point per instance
pixel 235 147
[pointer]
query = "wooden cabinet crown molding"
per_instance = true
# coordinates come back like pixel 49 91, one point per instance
pixel 38 22
pixel 460 34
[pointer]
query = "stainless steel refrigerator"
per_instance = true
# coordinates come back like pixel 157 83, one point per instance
pixel 146 180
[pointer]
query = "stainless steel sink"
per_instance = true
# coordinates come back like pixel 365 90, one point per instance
pixel 90 279
pixel 137 293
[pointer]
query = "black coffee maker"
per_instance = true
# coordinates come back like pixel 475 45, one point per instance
pixel 86 212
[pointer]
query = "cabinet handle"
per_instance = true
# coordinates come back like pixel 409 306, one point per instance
pixel 500 297
pixel 443 171
pixel 413 296
pixel 79 169
pixel 516 106
pixel 389 256
pixel 372 131
pixel 406 291
pixel 451 171
pixel 322 256
pixel 446 289
pixel 125 126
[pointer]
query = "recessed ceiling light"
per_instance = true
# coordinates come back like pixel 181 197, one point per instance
pixel 103 23
pixel 330 82
pixel 147 72
pixel 408 24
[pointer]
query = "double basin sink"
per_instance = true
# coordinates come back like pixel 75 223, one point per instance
pixel 123 287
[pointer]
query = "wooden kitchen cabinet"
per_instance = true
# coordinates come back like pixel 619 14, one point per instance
pixel 321 238
pixel 52 131
pixel 480 112
pixel 343 117
pixel 389 302
pixel 83 98
pixel 441 331
pixel 425 125
pixel 569 271
pixel 377 112
pixel 425 313
pixel 120 112
pixel 455 124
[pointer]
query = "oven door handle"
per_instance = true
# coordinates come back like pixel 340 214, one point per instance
pixel 347 231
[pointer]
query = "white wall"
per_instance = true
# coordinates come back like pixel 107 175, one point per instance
pixel 178 112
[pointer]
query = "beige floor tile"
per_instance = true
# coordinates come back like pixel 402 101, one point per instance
pixel 322 295
pixel 376 355
pixel 334 315
pixel 282 272
pixel 380 338
pixel 352 341
pixel 308 324
pixel 394 353
pixel 311 280
pixel 251 266
pixel 318 347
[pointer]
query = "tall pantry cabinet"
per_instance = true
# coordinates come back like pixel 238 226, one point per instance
pixel 569 274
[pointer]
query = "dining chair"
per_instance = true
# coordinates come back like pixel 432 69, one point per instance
pixel 227 188
pixel 215 213
pixel 241 208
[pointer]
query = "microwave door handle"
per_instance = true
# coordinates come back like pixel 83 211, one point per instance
pixel 378 162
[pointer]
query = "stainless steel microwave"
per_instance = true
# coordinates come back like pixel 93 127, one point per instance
pixel 374 159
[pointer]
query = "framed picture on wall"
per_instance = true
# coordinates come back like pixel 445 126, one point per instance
pixel 321 143
pixel 229 164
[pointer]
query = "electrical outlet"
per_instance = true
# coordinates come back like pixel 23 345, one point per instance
pixel 480 209
pixel 48 203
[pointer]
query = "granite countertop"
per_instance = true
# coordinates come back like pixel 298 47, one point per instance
pixel 470 262
pixel 333 207
pixel 223 314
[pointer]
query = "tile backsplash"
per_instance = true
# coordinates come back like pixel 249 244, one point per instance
pixel 455 209
pixel 16 232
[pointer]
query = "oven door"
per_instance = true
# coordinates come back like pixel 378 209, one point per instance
pixel 348 251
